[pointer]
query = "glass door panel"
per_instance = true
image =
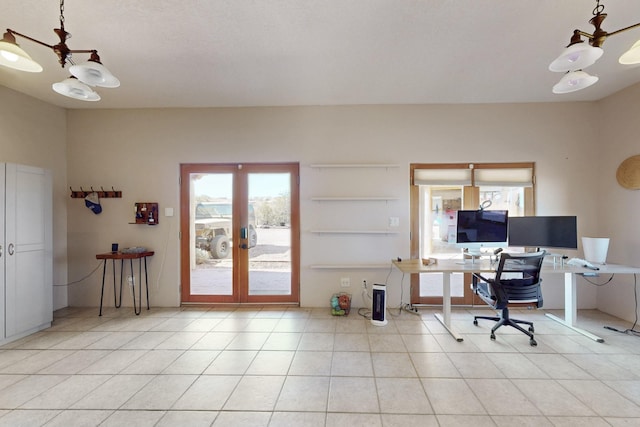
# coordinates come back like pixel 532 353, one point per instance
pixel 212 273
pixel 438 206
pixel 511 199
pixel 269 233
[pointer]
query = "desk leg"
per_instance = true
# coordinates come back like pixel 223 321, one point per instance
pixel 133 287
pixel 115 294
pixel 146 282
pixel 104 270
pixel 571 308
pixel 445 318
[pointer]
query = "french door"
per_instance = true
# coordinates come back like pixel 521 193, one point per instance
pixel 239 228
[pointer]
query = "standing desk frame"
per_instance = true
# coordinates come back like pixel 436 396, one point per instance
pixel 449 266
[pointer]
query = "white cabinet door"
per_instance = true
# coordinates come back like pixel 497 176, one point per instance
pixel 28 252
pixel 3 251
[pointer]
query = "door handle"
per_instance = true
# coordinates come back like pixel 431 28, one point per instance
pixel 0 251
pixel 11 247
pixel 243 235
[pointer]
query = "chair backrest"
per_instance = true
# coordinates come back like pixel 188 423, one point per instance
pixel 518 279
pixel 521 268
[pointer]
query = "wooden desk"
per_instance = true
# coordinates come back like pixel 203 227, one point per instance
pixel 113 256
pixel 450 266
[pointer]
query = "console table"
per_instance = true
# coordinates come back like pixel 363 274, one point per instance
pixel 122 256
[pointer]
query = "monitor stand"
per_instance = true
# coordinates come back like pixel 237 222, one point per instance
pixel 472 254
pixel 555 258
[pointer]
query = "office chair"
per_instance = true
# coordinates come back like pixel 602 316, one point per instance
pixel 517 280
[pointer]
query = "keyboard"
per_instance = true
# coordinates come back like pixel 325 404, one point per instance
pixel 579 262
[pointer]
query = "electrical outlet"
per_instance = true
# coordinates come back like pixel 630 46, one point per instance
pixel 345 282
pixel 131 280
pixel 394 221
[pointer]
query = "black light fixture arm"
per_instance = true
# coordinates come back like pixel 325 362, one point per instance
pixel 599 35
pixel 15 33
pixel 625 29
pixel 61 49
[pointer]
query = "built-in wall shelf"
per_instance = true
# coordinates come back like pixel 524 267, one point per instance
pixel 354 199
pixel 354 231
pixel 349 266
pixel 352 165
pixel 355 215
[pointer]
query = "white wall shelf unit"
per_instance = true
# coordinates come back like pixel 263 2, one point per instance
pixel 354 231
pixel 354 199
pixel 352 165
pixel 354 210
pixel 350 266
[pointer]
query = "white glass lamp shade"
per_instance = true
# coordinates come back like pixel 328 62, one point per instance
pixel 632 56
pixel 75 89
pixel 576 57
pixel 94 74
pixel 12 56
pixel 573 81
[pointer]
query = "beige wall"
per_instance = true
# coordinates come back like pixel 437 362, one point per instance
pixel 139 152
pixel 618 208
pixel 34 133
pixel 576 147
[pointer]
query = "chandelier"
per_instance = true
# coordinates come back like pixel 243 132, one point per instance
pixel 84 75
pixel 579 55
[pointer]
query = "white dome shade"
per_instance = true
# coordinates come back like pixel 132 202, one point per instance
pixel 94 74
pixel 632 56
pixel 574 81
pixel 75 89
pixel 576 57
pixel 12 56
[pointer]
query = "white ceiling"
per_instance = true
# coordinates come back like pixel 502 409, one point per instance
pixel 211 53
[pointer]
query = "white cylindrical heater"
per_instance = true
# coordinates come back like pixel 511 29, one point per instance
pixel 379 308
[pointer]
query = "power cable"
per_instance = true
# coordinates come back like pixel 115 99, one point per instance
pixel 82 279
pixel 632 330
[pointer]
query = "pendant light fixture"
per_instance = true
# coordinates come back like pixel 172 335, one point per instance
pixel 579 55
pixel 89 73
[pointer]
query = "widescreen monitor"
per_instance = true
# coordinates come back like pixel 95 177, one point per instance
pixel 482 229
pixel 544 232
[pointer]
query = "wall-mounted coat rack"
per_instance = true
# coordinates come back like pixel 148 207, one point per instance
pixel 102 193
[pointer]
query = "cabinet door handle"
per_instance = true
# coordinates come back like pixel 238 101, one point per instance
pixel 0 251
pixel 11 251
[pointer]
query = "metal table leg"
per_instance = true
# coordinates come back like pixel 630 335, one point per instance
pixel 104 270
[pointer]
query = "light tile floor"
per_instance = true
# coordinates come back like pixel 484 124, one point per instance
pixel 270 366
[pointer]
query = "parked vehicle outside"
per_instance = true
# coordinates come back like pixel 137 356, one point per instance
pixel 213 225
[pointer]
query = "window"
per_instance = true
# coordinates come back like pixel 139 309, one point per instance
pixel 438 191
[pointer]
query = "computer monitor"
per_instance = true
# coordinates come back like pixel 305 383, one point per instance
pixel 481 229
pixel 544 232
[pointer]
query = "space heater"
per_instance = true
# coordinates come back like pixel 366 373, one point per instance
pixel 379 308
